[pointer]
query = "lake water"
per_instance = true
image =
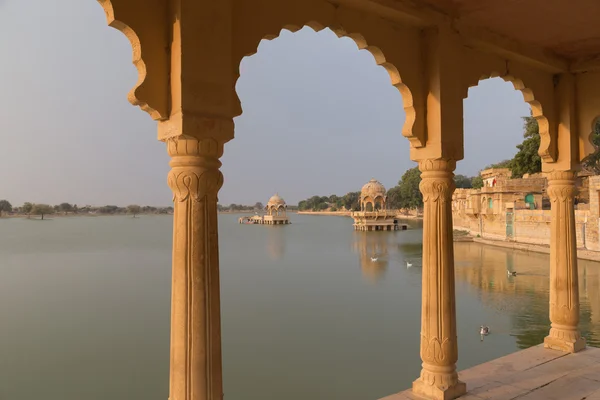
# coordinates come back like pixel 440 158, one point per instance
pixel 84 308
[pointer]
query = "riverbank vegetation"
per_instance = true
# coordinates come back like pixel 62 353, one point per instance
pixel 257 207
pixel 43 210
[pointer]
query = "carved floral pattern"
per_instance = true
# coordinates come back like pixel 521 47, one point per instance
pixel 193 185
pixel 434 350
pixel 195 168
pixel 439 379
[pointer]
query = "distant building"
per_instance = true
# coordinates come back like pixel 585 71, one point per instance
pixel 276 213
pixel 518 209
pixel 499 194
pixel 373 215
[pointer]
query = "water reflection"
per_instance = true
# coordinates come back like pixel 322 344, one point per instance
pixel 275 242
pixel 524 298
pixel 373 250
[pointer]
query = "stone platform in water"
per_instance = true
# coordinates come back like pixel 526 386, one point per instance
pixel 532 374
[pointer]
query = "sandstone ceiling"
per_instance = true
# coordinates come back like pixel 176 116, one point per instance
pixel 569 28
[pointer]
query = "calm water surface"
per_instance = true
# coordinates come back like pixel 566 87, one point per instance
pixel 84 308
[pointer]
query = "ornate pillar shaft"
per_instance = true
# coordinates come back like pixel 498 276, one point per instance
pixel 195 179
pixel 439 350
pixel 564 285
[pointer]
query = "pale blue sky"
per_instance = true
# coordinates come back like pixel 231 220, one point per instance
pixel 320 117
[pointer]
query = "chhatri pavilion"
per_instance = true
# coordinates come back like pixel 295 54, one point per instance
pixel 276 213
pixel 373 215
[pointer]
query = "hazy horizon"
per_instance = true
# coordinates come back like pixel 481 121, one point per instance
pixel 320 117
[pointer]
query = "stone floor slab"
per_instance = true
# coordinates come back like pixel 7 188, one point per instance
pixel 532 374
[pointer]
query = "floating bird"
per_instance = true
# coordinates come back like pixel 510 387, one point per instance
pixel 484 330
pixel 373 259
pixel 511 273
pixel 408 264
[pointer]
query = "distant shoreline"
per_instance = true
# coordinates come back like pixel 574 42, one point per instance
pixel 339 213
pixel 71 215
pixel 347 214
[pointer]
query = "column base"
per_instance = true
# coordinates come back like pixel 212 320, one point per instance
pixel 434 392
pixel 566 341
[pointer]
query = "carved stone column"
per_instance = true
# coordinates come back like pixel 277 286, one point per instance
pixel 195 371
pixel 439 350
pixel 564 285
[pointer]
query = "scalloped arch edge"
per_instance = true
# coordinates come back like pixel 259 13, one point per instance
pixel 546 139
pixel 136 94
pixel 380 60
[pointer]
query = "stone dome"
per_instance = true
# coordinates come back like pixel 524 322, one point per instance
pixel 275 200
pixel 373 189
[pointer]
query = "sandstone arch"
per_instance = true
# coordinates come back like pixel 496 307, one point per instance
pixel 546 140
pixel 151 92
pixel 415 139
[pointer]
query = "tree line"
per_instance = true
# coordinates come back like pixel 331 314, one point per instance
pixel 258 206
pixel 42 210
pixel 405 195
pixel 133 209
pixel 240 207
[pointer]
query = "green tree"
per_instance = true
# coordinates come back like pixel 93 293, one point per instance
pixel 351 201
pixel 26 208
pixel 65 207
pixel 394 198
pixel 410 194
pixel 462 182
pixel 501 164
pixel 477 182
pixel 42 209
pixel 527 160
pixel 5 206
pixel 133 209
pixel 258 205
pixel 592 162
pixel 109 209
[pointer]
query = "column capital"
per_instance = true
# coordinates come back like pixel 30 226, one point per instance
pixel 561 176
pixel 195 167
pixel 437 179
pixel 561 185
pixel 437 165
pixel 185 146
